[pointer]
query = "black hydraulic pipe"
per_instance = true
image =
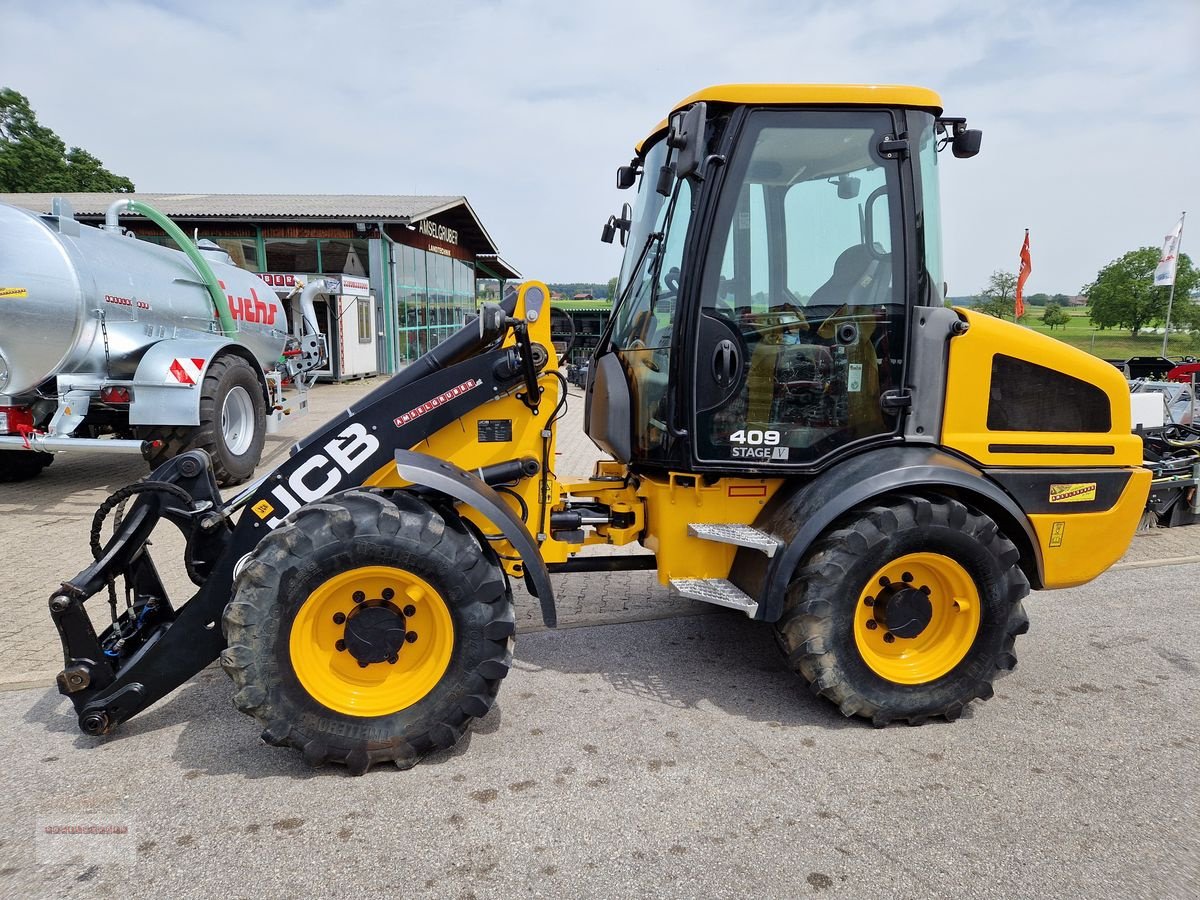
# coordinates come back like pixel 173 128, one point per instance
pixel 640 562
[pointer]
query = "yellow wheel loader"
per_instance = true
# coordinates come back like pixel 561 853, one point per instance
pixel 799 430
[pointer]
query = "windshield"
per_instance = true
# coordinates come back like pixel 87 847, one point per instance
pixel 647 212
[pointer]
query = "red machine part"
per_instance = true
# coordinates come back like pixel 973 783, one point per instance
pixel 1184 372
pixel 16 420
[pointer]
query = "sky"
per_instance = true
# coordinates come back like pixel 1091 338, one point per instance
pixel 1090 110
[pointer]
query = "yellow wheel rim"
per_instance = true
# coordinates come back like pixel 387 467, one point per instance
pixel 388 605
pixel 930 636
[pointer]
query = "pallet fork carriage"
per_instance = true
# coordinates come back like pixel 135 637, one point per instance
pixel 799 430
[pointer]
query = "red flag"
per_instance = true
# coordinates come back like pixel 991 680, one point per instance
pixel 1026 268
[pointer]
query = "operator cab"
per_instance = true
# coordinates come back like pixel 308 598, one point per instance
pixel 769 273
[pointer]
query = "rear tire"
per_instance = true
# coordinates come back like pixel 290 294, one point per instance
pixel 21 465
pixel 233 423
pixel 971 610
pixel 306 672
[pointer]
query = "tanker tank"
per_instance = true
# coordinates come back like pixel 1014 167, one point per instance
pixel 111 342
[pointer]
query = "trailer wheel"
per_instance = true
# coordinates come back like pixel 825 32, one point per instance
pixel 233 423
pixel 368 629
pixel 908 610
pixel 21 465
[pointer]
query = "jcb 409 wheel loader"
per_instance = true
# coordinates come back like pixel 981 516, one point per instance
pixel 799 429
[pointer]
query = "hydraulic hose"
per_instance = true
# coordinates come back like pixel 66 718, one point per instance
pixel 220 306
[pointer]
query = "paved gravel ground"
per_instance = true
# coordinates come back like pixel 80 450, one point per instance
pixel 659 759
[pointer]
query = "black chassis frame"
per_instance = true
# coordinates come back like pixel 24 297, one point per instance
pixel 161 646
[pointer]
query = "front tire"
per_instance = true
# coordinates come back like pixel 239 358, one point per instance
pixel 908 610
pixel 368 629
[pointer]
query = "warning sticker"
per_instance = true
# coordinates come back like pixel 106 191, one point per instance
pixel 11 293
pixel 854 378
pixel 262 509
pixel 1056 533
pixel 1073 493
pixel 185 370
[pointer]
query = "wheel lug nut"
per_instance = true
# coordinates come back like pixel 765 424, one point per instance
pixel 872 624
pixel 868 601
pixel 359 596
pixel 906 577
pixel 388 593
pixel 884 581
pixel 361 664
pixel 341 646
pixel 925 590
pixel 411 637
pixel 410 610
pixel 889 637
pixel 339 618
pixel 393 659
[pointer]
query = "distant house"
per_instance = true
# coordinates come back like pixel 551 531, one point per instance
pixel 584 295
pixel 1077 300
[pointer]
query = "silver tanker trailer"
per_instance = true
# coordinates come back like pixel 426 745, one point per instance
pixel 115 344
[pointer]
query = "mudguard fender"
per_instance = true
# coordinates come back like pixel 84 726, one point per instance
pixel 800 517
pixel 447 478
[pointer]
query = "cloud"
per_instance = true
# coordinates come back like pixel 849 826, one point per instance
pixel 526 108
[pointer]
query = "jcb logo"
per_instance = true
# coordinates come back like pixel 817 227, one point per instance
pixel 322 472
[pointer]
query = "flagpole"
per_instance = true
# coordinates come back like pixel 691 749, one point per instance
pixel 1171 296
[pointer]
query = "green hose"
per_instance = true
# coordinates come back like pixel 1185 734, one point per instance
pixel 228 328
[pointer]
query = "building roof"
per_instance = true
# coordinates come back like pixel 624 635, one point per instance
pixel 387 208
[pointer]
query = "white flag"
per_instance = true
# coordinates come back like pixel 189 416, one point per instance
pixel 1165 273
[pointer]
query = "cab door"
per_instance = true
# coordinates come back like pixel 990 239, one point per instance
pixel 802 303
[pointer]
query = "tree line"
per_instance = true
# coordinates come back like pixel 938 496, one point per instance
pixel 34 158
pixel 1122 295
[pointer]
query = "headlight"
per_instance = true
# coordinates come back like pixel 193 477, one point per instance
pixel 3 373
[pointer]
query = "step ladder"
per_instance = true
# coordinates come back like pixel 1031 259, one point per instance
pixel 721 591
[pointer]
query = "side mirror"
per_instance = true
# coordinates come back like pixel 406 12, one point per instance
pixel 848 187
pixel 491 323
pixel 620 224
pixel 966 143
pixel 687 137
pixel 626 177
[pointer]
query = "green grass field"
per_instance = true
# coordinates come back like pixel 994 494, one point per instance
pixel 1110 344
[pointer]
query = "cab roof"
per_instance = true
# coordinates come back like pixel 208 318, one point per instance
pixel 807 95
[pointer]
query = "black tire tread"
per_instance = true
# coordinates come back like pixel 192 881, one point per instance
pixel 248 620
pixel 21 465
pixel 176 439
pixel 802 630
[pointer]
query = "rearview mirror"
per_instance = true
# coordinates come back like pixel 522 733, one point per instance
pixel 966 143
pixel 687 138
pixel 848 187
pixel 626 177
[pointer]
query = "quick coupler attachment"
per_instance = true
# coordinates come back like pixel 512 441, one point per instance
pixel 105 675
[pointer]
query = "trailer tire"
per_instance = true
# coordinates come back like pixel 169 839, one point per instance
pixel 233 423
pixel 298 661
pixel 21 465
pixel 837 634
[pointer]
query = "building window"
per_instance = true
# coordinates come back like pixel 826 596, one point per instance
pixel 243 251
pixel 347 257
pixel 292 255
pixel 366 327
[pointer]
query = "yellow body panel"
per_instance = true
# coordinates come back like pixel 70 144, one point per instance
pixel 968 386
pixel 675 500
pixel 808 95
pixel 1078 547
